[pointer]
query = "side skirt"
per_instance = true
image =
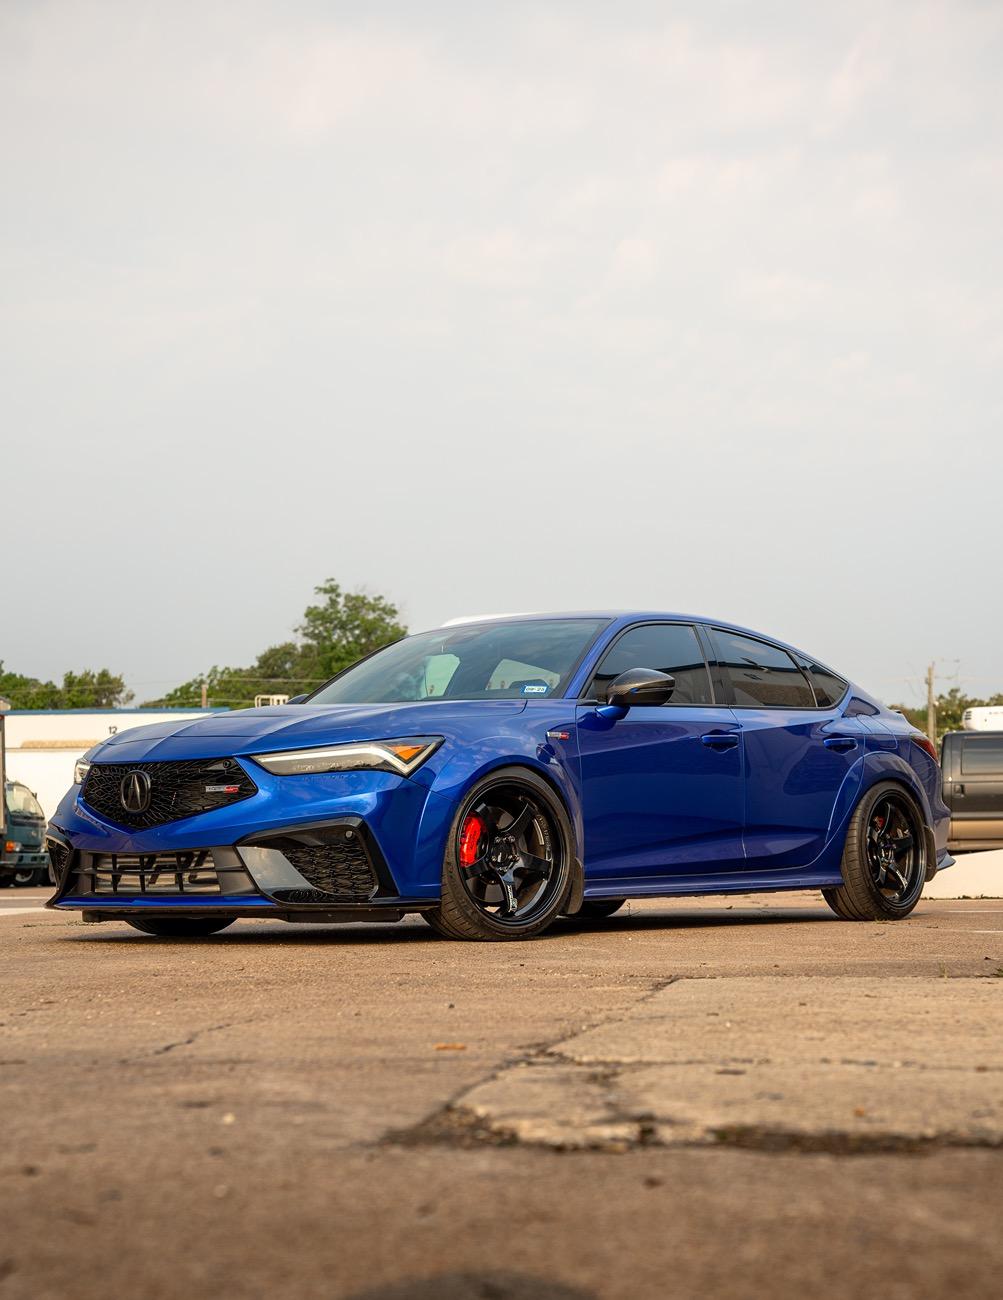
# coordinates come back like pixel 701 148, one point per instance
pixel 741 882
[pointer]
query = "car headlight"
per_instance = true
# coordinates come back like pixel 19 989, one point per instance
pixel 80 769
pixel 401 756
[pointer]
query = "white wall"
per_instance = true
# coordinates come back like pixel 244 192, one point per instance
pixel 42 746
pixel 974 875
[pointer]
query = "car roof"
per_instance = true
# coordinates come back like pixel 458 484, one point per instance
pixel 623 616
pixel 610 615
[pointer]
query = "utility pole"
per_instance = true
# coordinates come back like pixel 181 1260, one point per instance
pixel 931 706
pixel 4 706
pixel 205 696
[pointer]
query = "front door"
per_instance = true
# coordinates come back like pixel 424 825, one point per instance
pixel 662 788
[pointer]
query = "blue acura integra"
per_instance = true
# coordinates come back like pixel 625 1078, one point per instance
pixel 497 773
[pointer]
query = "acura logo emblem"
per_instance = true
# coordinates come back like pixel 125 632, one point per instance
pixel 135 792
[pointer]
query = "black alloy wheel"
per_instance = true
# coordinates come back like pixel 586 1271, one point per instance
pixel 507 867
pixel 892 849
pixel 884 859
pixel 507 855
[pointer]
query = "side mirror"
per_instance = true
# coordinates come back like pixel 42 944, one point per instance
pixel 296 699
pixel 639 686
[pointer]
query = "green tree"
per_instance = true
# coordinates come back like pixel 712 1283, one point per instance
pixel 90 689
pixel 344 627
pixel 340 629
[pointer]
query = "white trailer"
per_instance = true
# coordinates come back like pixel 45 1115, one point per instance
pixel 984 719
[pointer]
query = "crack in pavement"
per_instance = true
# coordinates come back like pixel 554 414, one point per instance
pixel 164 1048
pixel 625 1082
pixel 459 1127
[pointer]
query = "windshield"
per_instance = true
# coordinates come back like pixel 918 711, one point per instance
pixel 21 800
pixel 478 661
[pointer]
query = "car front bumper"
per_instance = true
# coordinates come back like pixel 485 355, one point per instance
pixel 320 871
pixel 254 857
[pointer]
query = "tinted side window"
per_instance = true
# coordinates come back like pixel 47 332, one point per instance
pixel 669 648
pixel 981 755
pixel 828 687
pixel 761 675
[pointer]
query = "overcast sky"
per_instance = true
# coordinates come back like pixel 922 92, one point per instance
pixel 498 307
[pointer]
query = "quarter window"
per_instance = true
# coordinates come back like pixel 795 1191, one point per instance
pixel 761 676
pixel 828 687
pixel 668 648
pixel 981 755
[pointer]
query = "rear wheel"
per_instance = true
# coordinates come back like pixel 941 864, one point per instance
pixel 508 860
pixel 884 861
pixel 182 927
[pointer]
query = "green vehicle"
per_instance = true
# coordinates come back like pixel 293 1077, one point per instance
pixel 23 858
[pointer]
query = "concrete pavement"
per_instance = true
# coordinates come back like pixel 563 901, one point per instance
pixel 300 1111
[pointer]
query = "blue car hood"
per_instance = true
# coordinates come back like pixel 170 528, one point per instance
pixel 259 731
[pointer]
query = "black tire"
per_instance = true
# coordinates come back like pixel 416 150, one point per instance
pixel 478 896
pixel 597 909
pixel 24 877
pixel 884 860
pixel 182 927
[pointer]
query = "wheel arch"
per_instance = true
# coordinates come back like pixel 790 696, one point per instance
pixel 890 767
pixel 889 775
pixel 564 795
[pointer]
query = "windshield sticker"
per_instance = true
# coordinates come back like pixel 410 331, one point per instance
pixel 532 689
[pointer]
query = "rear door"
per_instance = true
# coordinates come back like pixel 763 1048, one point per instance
pixel 976 791
pixel 799 754
pixel 662 787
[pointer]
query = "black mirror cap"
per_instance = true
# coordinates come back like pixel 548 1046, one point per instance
pixel 640 686
pixel 296 699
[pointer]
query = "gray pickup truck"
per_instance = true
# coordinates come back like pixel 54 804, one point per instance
pixel 972 764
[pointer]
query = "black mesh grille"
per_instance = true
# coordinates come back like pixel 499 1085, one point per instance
pixel 58 855
pixel 176 790
pixel 340 869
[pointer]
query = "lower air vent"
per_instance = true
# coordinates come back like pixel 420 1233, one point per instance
pixel 149 873
pixel 59 855
pixel 339 869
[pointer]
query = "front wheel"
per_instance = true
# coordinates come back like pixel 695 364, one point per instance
pixel 182 927
pixel 507 866
pixel 884 861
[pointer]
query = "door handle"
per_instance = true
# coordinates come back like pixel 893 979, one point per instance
pixel 959 788
pixel 840 743
pixel 720 740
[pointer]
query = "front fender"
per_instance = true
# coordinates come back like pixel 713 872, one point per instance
pixel 555 761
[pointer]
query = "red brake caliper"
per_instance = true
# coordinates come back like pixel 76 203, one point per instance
pixel 470 840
